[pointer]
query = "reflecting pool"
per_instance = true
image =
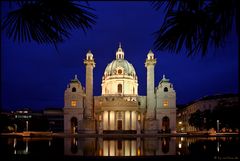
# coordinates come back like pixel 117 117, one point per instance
pixel 204 147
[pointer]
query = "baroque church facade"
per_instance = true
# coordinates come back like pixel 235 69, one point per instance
pixel 120 109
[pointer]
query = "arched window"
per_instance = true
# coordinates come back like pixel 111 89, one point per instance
pixel 119 88
pixel 133 90
pixel 119 71
pixel 165 89
pixel 74 124
pixel 74 103
pixel 165 124
pixel 74 89
pixel 165 103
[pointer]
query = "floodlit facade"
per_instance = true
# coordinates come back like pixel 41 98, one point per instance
pixel 120 109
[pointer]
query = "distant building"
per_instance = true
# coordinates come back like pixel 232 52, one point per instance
pixel 50 119
pixel 204 103
pixel 54 117
pixel 21 119
pixel 120 108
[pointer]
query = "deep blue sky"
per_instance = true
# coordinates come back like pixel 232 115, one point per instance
pixel 36 76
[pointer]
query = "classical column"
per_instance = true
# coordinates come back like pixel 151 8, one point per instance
pixel 109 120
pixel 123 126
pixel 101 123
pixel 150 64
pixel 130 120
pixel 136 118
pixel 90 64
pixel 116 128
pixel 126 123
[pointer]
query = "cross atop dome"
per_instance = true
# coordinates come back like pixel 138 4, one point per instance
pixel 164 79
pixel 75 80
pixel 120 53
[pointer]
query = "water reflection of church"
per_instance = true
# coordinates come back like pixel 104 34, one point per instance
pixel 113 147
pixel 120 109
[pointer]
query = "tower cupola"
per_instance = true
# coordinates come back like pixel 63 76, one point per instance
pixel 120 53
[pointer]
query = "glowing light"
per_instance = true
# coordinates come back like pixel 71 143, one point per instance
pixel 26 125
pixel 218 147
pixel 139 152
pixel 14 143
pixel 179 145
pixel 139 117
pixel 165 103
pixel 26 150
pixel 100 152
pixel 73 103
pixel 180 122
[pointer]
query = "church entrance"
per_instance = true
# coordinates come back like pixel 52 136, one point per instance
pixel 119 124
pixel 74 124
pixel 165 124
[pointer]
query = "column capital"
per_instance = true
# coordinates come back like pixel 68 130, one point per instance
pixel 150 62
pixel 89 62
pixel 89 59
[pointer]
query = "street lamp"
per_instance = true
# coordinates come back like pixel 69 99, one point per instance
pixel 217 126
pixel 26 125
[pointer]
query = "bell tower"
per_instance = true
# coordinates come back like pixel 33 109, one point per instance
pixel 73 106
pixel 166 106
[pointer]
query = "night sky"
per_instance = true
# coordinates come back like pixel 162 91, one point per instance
pixel 36 76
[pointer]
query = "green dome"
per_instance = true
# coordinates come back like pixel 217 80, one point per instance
pixel 127 67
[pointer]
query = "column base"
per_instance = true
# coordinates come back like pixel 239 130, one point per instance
pixel 87 126
pixel 150 126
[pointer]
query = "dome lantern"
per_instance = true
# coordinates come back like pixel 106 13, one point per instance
pixel 120 53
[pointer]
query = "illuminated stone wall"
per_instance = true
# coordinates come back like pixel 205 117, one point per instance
pixel 166 104
pixel 73 105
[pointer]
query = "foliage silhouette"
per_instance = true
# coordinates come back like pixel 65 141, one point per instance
pixel 47 21
pixel 196 24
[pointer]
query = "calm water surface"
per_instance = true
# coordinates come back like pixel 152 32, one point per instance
pixel 209 147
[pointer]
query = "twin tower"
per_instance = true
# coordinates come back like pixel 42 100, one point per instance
pixel 119 109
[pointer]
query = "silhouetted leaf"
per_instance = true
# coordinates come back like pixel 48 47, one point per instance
pixel 47 21
pixel 194 25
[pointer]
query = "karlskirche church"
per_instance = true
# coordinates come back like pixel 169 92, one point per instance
pixel 120 109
